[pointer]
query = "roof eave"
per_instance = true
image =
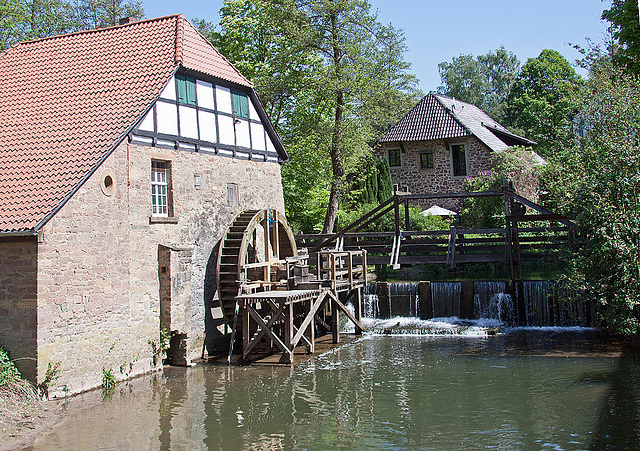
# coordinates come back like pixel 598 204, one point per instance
pixel 18 233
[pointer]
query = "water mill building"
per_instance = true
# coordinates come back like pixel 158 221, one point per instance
pixel 125 153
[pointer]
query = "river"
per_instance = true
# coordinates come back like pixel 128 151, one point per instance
pixel 525 389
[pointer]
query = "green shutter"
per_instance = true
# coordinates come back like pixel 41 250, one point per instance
pixel 240 105
pixel 186 90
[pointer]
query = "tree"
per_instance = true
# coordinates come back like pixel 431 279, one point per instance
pixel 540 101
pixel 347 39
pixel 22 20
pixel 484 81
pixel 254 38
pixel 624 27
pixel 106 13
pixel 596 179
pixel 331 78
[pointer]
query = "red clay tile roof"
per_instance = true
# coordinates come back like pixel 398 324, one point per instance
pixel 67 101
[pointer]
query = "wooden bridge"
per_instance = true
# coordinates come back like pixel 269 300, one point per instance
pixel 513 244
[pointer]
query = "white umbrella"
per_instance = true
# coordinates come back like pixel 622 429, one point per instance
pixel 438 211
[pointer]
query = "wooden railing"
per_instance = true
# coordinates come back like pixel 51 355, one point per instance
pixel 512 244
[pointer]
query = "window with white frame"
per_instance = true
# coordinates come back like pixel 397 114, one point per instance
pixel 395 158
pixel 160 189
pixel 233 199
pixel 459 160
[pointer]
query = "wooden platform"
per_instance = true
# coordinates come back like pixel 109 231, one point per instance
pixel 323 344
pixel 286 318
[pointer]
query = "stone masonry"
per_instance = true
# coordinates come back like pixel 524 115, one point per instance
pixel 101 259
pixel 18 291
pixel 440 179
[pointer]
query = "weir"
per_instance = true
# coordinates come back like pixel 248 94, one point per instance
pixel 526 303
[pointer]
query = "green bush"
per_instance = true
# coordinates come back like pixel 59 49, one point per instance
pixel 515 164
pixel 9 374
pixel 108 379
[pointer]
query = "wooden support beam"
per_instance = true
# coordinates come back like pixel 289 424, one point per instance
pixel 345 310
pixel 251 341
pixel 288 353
pixel 308 320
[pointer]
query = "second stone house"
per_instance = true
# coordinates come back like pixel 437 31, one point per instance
pixel 440 142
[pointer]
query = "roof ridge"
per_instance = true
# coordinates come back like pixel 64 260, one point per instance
pixel 451 113
pixel 215 50
pixel 179 48
pixel 93 30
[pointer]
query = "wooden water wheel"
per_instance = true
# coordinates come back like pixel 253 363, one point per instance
pixel 251 257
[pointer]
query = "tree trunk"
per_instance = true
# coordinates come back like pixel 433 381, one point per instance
pixel 336 164
pixel 337 169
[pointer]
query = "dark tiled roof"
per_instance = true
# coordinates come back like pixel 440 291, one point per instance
pixel 66 101
pixel 439 117
pixel 427 120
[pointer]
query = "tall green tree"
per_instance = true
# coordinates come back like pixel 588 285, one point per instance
pixel 540 101
pixel 484 81
pixel 106 13
pixel 348 39
pixel 625 29
pixel 331 77
pixel 22 20
pixel 596 179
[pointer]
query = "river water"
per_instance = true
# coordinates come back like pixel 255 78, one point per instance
pixel 525 389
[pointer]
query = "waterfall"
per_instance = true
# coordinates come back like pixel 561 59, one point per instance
pixel 446 298
pixel 484 301
pixel 370 301
pixel 404 299
pixel 540 304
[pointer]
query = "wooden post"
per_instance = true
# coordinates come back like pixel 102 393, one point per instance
pixel 311 334
pixel 406 215
pixel 466 300
pixel 267 232
pixel 335 322
pixel 382 290
pixel 244 313
pixel 357 306
pixel 396 205
pixel 425 302
pixel 288 326
pixel 507 231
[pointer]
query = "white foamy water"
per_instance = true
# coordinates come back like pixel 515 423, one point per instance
pixel 436 326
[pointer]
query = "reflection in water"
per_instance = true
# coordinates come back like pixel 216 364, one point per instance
pixel 516 391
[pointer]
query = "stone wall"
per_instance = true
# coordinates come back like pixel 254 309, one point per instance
pixel 86 320
pixel 440 179
pixel 99 282
pixel 18 269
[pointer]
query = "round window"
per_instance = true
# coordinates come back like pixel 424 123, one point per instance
pixel 108 182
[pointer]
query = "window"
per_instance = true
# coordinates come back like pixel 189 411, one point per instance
pixel 459 160
pixel 160 189
pixel 186 89
pixel 426 160
pixel 240 104
pixel 232 195
pixel 395 159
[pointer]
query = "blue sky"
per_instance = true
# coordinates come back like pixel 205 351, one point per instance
pixel 438 30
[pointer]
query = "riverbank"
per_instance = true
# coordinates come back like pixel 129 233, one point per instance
pixel 23 417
